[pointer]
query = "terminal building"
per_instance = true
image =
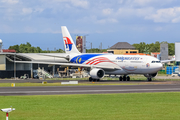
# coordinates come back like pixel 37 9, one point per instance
pixel 122 48
pixel 11 69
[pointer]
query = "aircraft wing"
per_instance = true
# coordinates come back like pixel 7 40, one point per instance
pixel 72 64
pixel 60 55
pixel 166 61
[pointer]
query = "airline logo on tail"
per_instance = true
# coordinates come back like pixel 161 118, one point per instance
pixel 68 43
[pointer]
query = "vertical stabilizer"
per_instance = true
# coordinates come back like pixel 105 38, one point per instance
pixel 69 45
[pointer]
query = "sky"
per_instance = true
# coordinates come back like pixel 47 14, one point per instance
pixel 101 21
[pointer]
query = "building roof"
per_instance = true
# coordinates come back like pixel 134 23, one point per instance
pixel 40 57
pixel 155 53
pixel 136 54
pixel 122 45
pixel 7 50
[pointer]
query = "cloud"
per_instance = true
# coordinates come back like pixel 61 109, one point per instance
pixel 158 29
pixel 42 14
pixel 176 20
pixel 29 29
pixel 97 20
pixel 77 31
pixel 39 10
pixel 27 11
pixel 131 12
pixel 49 30
pixel 64 3
pixel 107 11
pixel 5 29
pixel 80 3
pixel 10 1
pixel 108 20
pixel 144 3
pixel 168 15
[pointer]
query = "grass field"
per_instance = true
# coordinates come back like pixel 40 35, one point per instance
pixel 138 106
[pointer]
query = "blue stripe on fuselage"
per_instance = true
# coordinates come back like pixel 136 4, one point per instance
pixel 82 58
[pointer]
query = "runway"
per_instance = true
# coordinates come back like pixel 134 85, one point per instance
pixel 59 90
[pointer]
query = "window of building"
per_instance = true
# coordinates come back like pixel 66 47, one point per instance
pixel 133 51
pixel 111 52
pixel 126 51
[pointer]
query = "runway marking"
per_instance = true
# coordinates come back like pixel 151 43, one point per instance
pixel 135 90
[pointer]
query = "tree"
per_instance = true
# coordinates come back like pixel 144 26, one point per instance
pixel 95 50
pixel 15 47
pixel 154 47
pixel 38 50
pixel 28 48
pixel 141 47
pixel 171 49
pixel 146 49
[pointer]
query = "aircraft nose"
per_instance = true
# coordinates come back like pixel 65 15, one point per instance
pixel 160 66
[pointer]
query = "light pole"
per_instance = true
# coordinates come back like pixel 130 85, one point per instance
pixel 15 66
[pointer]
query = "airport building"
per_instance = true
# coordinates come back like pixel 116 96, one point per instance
pixel 11 69
pixel 122 48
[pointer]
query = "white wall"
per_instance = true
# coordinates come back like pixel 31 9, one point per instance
pixel 177 51
pixel 2 62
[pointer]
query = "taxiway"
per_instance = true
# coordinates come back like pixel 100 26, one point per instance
pixel 95 89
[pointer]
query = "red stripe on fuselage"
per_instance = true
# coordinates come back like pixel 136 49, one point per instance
pixel 96 59
pixel 99 60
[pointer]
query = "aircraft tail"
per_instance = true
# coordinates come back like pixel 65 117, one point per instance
pixel 69 45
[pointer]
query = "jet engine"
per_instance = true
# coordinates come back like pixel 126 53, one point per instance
pixel 150 75
pixel 97 73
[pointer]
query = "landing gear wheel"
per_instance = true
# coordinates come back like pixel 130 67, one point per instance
pixel 124 78
pixel 120 78
pixel 94 80
pixel 149 79
pixel 98 80
pixel 90 79
pixel 128 78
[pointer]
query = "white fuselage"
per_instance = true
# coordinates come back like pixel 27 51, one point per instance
pixel 128 64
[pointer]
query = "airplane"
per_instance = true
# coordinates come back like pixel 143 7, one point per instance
pixel 99 64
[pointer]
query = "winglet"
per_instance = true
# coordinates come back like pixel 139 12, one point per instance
pixel 69 45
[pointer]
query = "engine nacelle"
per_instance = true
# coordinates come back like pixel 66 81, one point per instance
pixel 150 75
pixel 97 73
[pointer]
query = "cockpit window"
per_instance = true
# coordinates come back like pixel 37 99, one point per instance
pixel 156 62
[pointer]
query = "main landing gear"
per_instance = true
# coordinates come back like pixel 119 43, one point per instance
pixel 149 79
pixel 124 78
pixel 93 80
